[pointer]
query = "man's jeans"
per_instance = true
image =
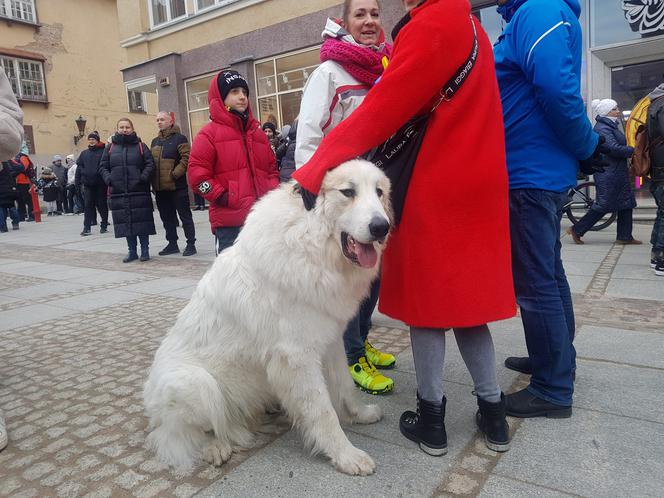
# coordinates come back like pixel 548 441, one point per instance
pixel 657 237
pixel 12 213
pixel 542 292
pixel 625 223
pixel 225 237
pixel 357 329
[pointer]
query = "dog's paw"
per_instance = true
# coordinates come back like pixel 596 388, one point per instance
pixel 354 462
pixel 368 414
pixel 217 453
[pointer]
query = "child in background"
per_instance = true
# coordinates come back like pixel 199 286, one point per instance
pixel 50 190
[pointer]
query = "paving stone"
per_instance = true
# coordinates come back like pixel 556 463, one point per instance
pixel 621 346
pixel 501 487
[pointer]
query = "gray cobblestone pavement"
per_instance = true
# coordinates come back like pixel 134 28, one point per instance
pixel 78 329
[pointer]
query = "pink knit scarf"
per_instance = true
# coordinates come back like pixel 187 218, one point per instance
pixel 362 63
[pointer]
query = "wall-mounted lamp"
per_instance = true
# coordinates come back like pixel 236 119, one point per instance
pixel 80 124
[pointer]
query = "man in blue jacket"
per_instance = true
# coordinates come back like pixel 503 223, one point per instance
pixel 547 131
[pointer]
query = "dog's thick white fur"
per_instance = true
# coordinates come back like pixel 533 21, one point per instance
pixel 264 328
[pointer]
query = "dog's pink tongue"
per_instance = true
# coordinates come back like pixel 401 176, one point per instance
pixel 366 255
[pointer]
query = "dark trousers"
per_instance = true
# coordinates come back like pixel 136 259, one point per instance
pixel 12 213
pixel 63 205
pixel 357 329
pixel 74 199
pixel 132 243
pixel 172 204
pixel 593 216
pixel 95 200
pixel 24 201
pixel 542 292
pixel 657 236
pixel 225 237
pixel 200 201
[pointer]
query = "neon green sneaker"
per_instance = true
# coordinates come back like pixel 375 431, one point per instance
pixel 368 379
pixel 378 358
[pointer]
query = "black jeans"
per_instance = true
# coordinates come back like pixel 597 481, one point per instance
pixel 225 237
pixel 24 200
pixel 593 216
pixel 200 201
pixel 75 204
pixel 63 205
pixel 172 204
pixel 95 200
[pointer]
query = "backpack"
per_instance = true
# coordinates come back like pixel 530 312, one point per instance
pixel 640 164
pixel 30 171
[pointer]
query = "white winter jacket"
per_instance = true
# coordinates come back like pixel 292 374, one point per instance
pixel 330 96
pixel 11 120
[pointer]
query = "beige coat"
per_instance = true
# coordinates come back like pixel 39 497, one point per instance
pixel 11 121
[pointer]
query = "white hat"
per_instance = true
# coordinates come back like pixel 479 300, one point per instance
pixel 605 106
pixel 593 107
pixel 70 157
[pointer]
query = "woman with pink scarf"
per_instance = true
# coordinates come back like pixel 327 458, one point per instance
pixel 352 57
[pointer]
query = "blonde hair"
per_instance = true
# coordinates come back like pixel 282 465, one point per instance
pixel 123 119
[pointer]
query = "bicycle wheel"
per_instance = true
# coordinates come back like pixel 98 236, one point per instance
pixel 581 198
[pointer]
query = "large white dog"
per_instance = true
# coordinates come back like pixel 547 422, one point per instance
pixel 264 328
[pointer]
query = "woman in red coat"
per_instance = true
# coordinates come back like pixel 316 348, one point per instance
pixel 231 162
pixel 447 264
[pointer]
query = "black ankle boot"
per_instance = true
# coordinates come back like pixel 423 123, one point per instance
pixel 491 421
pixel 426 426
pixel 131 256
pixel 190 250
pixel 145 254
pixel 171 248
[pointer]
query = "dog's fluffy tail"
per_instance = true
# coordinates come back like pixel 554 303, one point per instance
pixel 184 404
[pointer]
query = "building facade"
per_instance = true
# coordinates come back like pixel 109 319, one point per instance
pixel 63 60
pixel 174 48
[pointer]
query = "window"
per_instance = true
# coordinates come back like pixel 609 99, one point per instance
pixel 165 11
pixel 23 10
pixel 206 4
pixel 136 101
pixel 279 84
pixel 197 103
pixel 621 21
pixel 26 78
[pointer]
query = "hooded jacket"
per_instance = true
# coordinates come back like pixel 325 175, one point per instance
pixel 230 165
pixel 538 64
pixel 170 151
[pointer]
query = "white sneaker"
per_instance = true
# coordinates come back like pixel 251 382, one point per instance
pixel 3 432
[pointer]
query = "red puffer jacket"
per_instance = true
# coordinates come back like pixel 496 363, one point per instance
pixel 227 159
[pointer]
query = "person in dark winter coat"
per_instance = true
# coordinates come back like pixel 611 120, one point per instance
pixel 655 128
pixel 231 162
pixel 60 173
pixel 614 192
pixel 170 151
pixel 91 184
pixel 286 154
pixel 126 167
pixel 8 195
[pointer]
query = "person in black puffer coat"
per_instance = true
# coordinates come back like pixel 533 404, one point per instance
pixel 91 184
pixel 8 195
pixel 127 166
pixel 286 154
pixel 614 191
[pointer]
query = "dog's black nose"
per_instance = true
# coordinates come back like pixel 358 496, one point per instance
pixel 379 226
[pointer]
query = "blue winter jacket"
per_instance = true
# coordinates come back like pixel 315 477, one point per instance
pixel 538 64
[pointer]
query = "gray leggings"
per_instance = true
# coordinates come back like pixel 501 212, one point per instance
pixel 476 349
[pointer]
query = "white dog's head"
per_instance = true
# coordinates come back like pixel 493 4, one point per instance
pixel 356 198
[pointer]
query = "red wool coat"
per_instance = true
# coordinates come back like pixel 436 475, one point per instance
pixel 225 158
pixel 448 263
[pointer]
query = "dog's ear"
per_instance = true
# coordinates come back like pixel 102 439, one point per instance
pixel 308 198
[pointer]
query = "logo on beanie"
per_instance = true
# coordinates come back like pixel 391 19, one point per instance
pixel 204 187
pixel 230 77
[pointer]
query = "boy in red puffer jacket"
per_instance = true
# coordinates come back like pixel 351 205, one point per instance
pixel 231 163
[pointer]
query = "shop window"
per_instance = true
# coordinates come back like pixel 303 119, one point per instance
pixel 23 10
pixel 279 84
pixel 197 102
pixel 165 11
pixel 629 84
pixel 136 101
pixel 625 20
pixel 26 78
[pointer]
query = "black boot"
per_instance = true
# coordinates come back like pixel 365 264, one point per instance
pixel 171 248
pixel 190 250
pixel 131 256
pixel 145 253
pixel 426 426
pixel 491 421
pixel 519 364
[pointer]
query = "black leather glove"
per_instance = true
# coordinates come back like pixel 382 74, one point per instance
pixel 308 198
pixel 597 162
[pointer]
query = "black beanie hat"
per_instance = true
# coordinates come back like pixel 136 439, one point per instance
pixel 95 135
pixel 270 126
pixel 229 79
